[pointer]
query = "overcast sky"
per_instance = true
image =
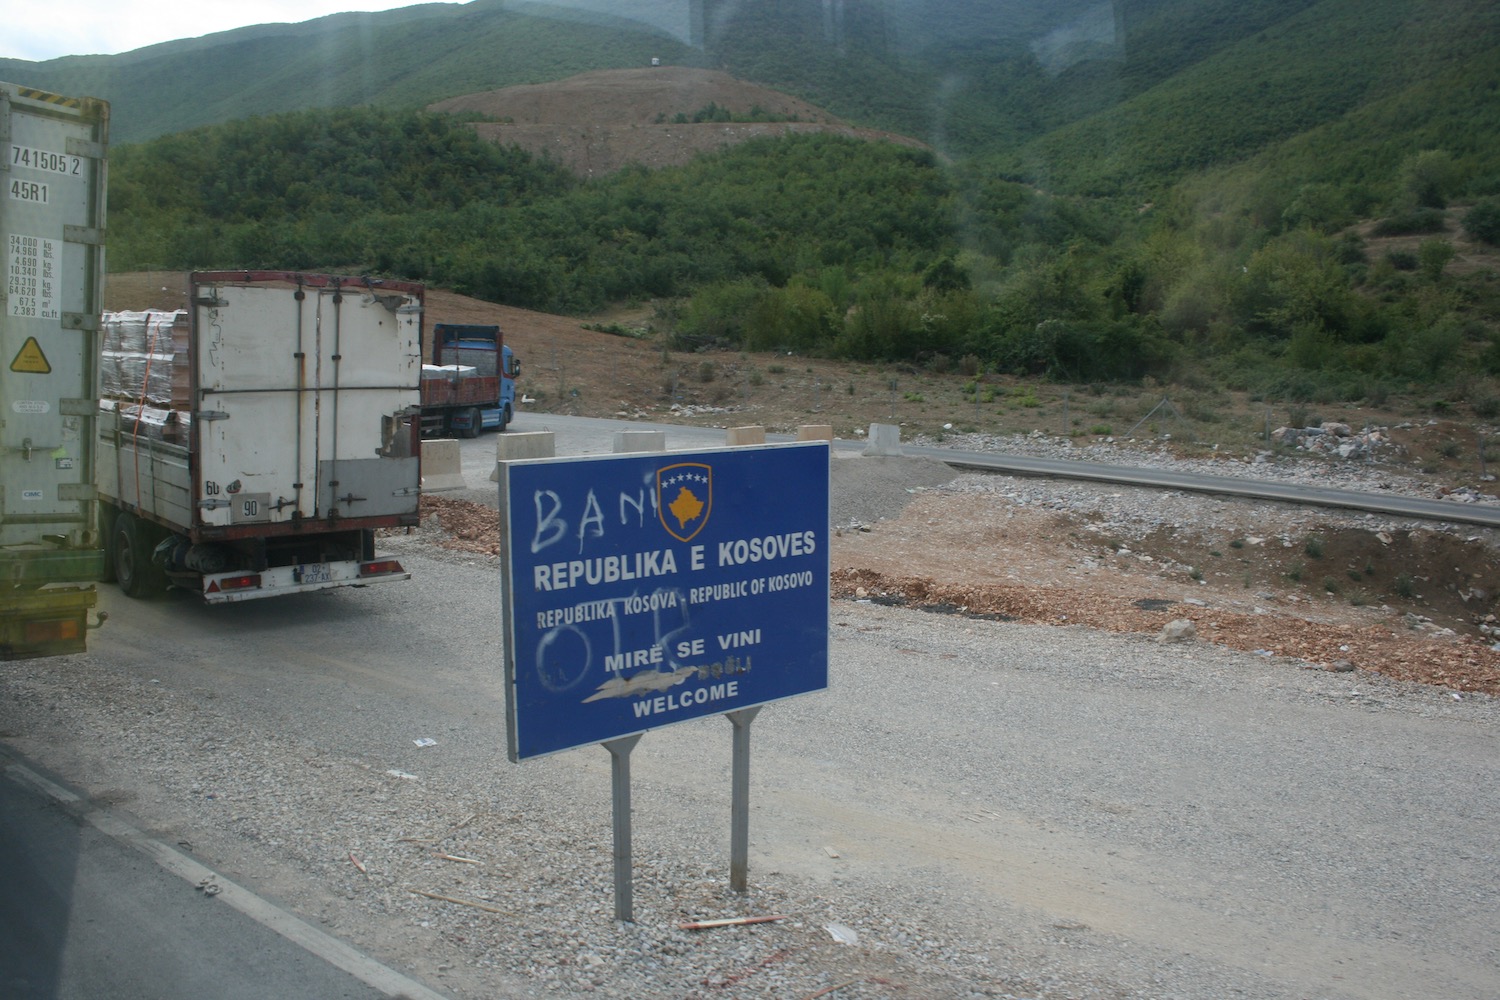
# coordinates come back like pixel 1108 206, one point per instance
pixel 46 29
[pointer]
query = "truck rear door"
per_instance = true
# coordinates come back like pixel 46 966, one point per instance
pixel 305 390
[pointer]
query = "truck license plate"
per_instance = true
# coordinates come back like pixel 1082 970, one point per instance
pixel 317 573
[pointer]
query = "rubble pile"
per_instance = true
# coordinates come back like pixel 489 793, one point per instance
pixel 1333 439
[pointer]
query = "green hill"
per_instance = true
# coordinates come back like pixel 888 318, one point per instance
pixel 1296 197
pixel 1307 71
pixel 403 59
pixel 971 76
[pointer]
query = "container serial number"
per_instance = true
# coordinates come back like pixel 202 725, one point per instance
pixel 31 158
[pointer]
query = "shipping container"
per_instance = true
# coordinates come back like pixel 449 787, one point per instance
pixel 52 214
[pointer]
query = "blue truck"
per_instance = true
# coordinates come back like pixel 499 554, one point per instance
pixel 470 384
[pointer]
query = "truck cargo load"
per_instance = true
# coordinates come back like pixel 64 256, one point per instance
pixel 470 385
pixel 52 213
pixel 253 443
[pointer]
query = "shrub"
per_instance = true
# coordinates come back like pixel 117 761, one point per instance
pixel 1433 255
pixel 1419 220
pixel 1403 260
pixel 1433 347
pixel 1430 177
pixel 1482 222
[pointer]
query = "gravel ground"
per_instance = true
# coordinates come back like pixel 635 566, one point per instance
pixel 975 809
pixel 1189 841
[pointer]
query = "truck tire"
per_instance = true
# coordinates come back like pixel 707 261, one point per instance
pixel 475 420
pixel 504 417
pixel 130 555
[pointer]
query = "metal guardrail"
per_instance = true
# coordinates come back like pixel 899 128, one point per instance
pixel 1398 506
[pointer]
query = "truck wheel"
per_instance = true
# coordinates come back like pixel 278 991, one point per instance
pixel 474 423
pixel 130 552
pixel 505 417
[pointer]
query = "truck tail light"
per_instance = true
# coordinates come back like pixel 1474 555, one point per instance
pixel 380 567
pixel 53 630
pixel 245 581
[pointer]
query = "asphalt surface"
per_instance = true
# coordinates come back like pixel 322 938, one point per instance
pixel 93 909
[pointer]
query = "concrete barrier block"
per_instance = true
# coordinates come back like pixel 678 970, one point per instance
pixel 815 432
pixel 737 436
pixel 633 441
pixel 515 445
pixel 885 439
pixel 441 468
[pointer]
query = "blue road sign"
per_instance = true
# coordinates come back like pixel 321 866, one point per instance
pixel 644 590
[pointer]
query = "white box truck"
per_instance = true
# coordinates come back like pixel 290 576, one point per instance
pixel 252 443
pixel 52 205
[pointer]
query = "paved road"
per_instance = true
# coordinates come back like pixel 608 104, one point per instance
pixel 92 908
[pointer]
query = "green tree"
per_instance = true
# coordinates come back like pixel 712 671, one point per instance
pixel 1319 206
pixel 1292 283
pixel 1429 177
pixel 1482 222
pixel 1433 255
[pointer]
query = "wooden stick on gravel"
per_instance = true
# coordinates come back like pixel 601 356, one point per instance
pixel 703 925
pixel 461 902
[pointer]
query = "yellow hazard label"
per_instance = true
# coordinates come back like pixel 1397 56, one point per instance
pixel 31 359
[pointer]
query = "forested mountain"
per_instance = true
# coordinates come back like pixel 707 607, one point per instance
pixel 971 75
pixel 1294 195
pixel 401 59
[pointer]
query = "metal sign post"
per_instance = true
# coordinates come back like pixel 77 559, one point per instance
pixel 739 799
pixel 619 768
